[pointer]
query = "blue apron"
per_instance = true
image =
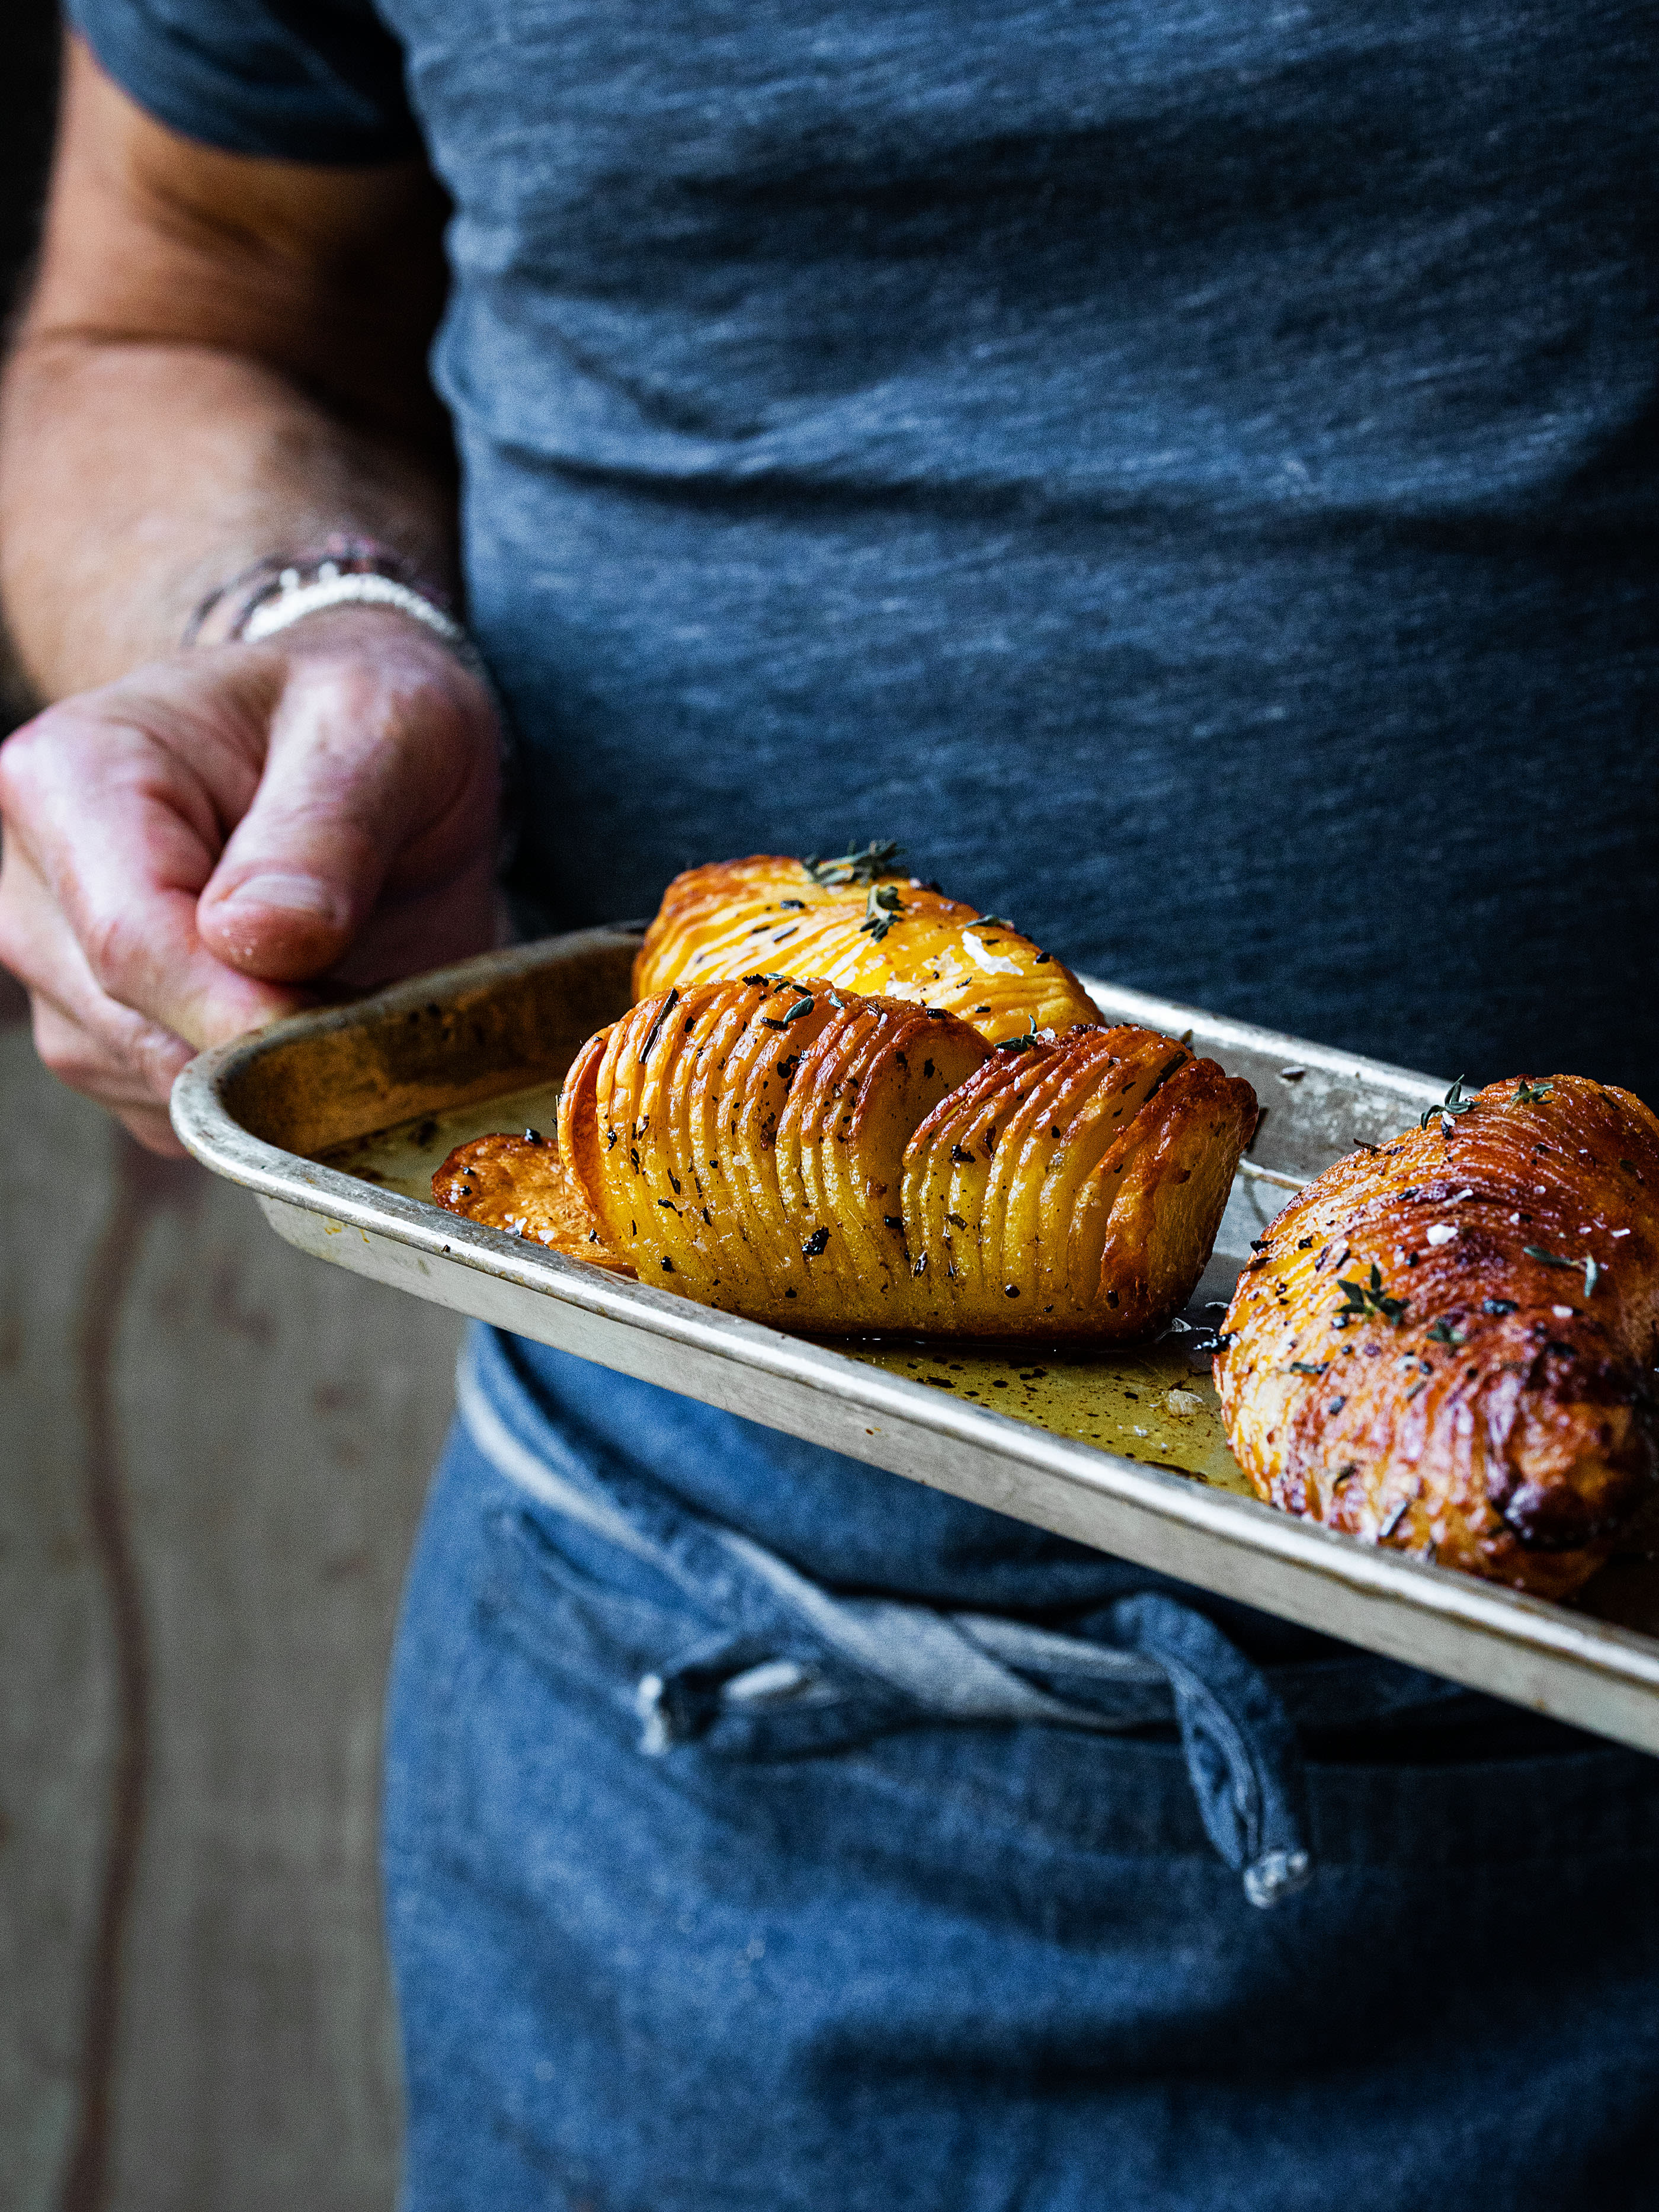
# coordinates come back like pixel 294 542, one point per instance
pixel 713 1886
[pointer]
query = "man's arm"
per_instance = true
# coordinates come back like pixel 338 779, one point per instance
pixel 224 359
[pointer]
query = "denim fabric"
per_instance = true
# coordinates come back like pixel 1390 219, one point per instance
pixel 958 1966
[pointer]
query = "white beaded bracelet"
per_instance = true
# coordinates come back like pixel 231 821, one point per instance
pixel 293 599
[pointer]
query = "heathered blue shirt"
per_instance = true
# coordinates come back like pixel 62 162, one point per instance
pixel 1185 470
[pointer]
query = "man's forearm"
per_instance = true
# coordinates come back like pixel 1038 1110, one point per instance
pixel 135 478
pixel 223 358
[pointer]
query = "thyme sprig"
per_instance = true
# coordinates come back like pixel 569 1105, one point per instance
pixel 1528 1094
pixel 1367 1301
pixel 1455 1101
pixel 854 867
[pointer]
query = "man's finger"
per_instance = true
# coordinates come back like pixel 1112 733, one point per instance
pixel 121 837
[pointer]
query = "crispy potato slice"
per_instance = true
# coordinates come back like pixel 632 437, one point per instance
pixel 524 1185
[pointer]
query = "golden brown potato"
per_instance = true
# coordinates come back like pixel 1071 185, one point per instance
pixel 863 927
pixel 520 1184
pixel 1447 1344
pixel 840 1163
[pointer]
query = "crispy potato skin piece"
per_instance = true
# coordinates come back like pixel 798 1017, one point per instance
pixel 1504 1421
pixel 839 1163
pixel 521 1184
pixel 732 918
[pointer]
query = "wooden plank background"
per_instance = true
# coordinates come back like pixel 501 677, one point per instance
pixel 215 1453
pixel 212 1457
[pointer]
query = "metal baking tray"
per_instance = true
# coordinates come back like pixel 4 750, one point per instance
pixel 335 1120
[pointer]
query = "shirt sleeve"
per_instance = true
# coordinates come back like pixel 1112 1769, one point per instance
pixel 294 80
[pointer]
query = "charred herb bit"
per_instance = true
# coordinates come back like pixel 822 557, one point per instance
pixel 1366 1301
pixel 894 1220
pixel 1335 1407
pixel 667 1266
pixel 663 1012
pixel 1345 1474
pixel 1498 1307
pixel 610 1139
pixel 1455 1101
pixel 920 1266
pixel 1528 1094
pixel 961 1152
pixel 532 1136
pixel 1309 1366
pixel 793 906
pixel 853 867
pixel 815 1244
pixel 1446 1332
pixel 1393 1520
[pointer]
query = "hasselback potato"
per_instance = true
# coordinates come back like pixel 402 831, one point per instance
pixel 840 1163
pixel 862 927
pixel 1447 1344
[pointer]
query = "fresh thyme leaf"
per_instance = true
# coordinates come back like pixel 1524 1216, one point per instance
pixel 1455 1101
pixel 1446 1332
pixel 1549 1259
pixel 995 921
pixel 1367 1301
pixel 1309 1366
pixel 1528 1094
pixel 1593 1276
pixel 881 910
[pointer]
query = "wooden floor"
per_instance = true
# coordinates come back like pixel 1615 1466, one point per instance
pixel 212 1456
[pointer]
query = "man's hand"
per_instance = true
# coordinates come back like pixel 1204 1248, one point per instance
pixel 185 849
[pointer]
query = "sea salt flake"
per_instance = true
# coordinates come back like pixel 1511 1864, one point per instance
pixel 1442 1233
pixel 1562 1313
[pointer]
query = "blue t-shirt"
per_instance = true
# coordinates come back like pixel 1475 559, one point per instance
pixel 1186 470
